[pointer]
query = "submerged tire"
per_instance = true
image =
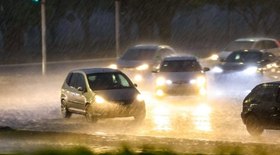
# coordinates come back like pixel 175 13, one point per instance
pixel 64 110
pixel 253 126
pixel 141 115
pixel 89 117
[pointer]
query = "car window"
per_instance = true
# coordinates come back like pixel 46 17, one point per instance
pixel 238 45
pixel 165 52
pixel 123 81
pixel 105 81
pixel 244 57
pixel 180 66
pixel 68 78
pixel 260 45
pixel 139 54
pixel 254 94
pixel 270 44
pixel 80 81
pixel 269 93
pixel 73 80
pixel 278 95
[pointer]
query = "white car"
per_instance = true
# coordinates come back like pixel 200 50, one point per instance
pixel 264 44
pixel 179 75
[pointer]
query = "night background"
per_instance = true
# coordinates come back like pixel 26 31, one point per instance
pixel 86 28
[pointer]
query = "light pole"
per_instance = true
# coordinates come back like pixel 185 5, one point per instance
pixel 117 26
pixel 43 31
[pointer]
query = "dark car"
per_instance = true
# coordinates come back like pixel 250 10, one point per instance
pixel 243 65
pixel 261 108
pixel 101 93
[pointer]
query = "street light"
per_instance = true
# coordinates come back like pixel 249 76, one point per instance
pixel 43 29
pixel 117 26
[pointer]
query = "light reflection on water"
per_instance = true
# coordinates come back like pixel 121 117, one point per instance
pixel 161 119
pixel 198 115
pixel 201 118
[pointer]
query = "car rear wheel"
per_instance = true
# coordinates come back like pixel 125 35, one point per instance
pixel 89 116
pixel 253 126
pixel 64 110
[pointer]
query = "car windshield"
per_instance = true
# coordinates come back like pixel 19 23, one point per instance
pixel 247 57
pixel 105 81
pixel 239 45
pixel 180 66
pixel 139 54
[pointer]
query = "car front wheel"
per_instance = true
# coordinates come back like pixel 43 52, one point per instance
pixel 140 116
pixel 89 116
pixel 64 110
pixel 253 126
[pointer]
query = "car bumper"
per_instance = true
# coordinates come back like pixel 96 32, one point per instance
pixel 180 89
pixel 109 110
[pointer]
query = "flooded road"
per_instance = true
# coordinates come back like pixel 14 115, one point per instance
pixel 31 102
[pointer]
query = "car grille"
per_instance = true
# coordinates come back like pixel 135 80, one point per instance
pixel 124 102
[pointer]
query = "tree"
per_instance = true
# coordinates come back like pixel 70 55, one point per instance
pixel 260 15
pixel 16 16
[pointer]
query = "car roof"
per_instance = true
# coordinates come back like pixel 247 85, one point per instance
pixel 174 58
pixel 249 50
pixel 255 39
pixel 151 46
pixel 96 70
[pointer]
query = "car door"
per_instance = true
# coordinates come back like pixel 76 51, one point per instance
pixel 275 108
pixel 71 91
pixel 268 98
pixel 80 90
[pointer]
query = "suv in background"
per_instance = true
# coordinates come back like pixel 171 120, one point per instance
pixel 139 60
pixel 101 93
pixel 265 44
pixel 261 108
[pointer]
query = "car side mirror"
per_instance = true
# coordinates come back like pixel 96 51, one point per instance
pixel 80 89
pixel 222 59
pixel 155 70
pixel 206 69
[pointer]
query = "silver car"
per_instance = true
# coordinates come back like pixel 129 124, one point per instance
pixel 101 93
pixel 180 75
pixel 139 60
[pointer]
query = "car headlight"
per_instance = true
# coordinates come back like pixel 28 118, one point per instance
pixel 113 66
pixel 214 57
pixel 160 81
pixel 138 77
pixel 251 70
pixel 159 92
pixel 140 98
pixel 217 70
pixel 99 99
pixel 200 81
pixel 142 67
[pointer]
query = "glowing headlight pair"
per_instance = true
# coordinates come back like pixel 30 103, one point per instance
pixel 200 81
pixel 142 67
pixel 162 81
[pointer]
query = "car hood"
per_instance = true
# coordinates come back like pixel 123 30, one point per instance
pixel 237 66
pixel 179 76
pixel 132 63
pixel 126 95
